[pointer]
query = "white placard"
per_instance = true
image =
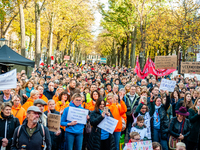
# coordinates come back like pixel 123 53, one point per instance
pixel 8 80
pixel 77 114
pixel 168 85
pixel 108 124
pixel 142 145
pixel 198 56
pixel 83 62
pixel 192 76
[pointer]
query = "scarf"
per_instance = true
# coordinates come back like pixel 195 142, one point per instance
pixel 157 107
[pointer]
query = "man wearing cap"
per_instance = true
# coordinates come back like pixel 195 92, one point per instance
pixel 31 135
pixel 40 104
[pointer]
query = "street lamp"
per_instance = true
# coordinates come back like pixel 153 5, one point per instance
pixel 3 42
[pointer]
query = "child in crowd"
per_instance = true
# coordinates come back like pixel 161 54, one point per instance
pixel 134 137
pixel 156 146
pixel 180 146
pixel 140 127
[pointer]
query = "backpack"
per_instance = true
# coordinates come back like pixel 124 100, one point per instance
pixel 42 133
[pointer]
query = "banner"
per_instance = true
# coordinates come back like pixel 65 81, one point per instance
pixel 53 122
pixel 166 62
pixel 108 124
pixel 142 145
pixel 149 68
pixel 8 80
pixel 190 67
pixel 77 114
pixel 198 56
pixel 66 57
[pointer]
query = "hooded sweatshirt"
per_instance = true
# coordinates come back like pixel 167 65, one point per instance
pixel 28 103
pixel 78 128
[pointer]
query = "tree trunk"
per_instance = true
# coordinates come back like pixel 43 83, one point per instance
pixel 133 45
pixel 127 51
pixel 113 54
pixel 122 54
pixel 37 37
pixel 118 57
pixel 50 41
pixel 22 28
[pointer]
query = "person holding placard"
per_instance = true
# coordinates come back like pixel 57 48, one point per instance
pixel 160 121
pixel 194 117
pixel 134 137
pixel 100 139
pixel 117 111
pixel 73 130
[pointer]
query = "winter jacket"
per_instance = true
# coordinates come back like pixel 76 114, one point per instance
pixel 131 103
pixel 49 94
pixel 94 142
pixel 35 142
pixel 195 125
pixel 142 131
pixel 60 106
pixel 90 106
pixel 12 124
pixel 44 98
pixel 117 112
pixel 19 113
pixel 164 121
pixel 28 103
pixel 55 140
pixel 78 128
pixel 174 128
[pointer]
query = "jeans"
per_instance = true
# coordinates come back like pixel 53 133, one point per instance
pixel 73 139
pixel 117 138
pixel 157 138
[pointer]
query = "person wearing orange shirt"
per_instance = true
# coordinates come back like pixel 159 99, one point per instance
pixel 40 89
pixel 117 111
pixel 95 95
pixel 58 91
pixel 31 99
pixel 17 110
pixel 62 103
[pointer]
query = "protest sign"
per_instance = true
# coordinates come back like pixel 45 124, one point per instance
pixel 66 57
pixel 8 80
pixel 83 62
pixel 198 56
pixel 77 114
pixel 108 124
pixel 53 122
pixel 190 67
pixel 166 62
pixel 142 145
pixel 168 85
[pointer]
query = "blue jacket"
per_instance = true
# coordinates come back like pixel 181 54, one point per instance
pixel 78 128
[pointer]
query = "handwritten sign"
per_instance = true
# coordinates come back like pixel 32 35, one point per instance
pixel 166 62
pixel 77 114
pixel 190 67
pixel 8 80
pixel 53 122
pixel 198 56
pixel 108 124
pixel 142 145
pixel 167 85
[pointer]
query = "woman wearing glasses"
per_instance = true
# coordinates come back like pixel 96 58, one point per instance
pixel 73 130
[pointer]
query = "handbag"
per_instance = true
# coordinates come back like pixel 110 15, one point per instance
pixel 173 141
pixel 88 127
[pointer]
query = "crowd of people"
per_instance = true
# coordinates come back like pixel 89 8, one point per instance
pixel 171 120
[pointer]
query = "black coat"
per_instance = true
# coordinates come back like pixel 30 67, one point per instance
pixel 195 126
pixel 174 128
pixel 55 140
pixel 34 142
pixel 164 121
pixel 94 142
pixel 12 124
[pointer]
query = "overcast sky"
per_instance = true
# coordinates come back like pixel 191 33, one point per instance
pixel 96 28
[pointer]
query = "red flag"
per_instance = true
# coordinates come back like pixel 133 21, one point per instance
pixel 52 58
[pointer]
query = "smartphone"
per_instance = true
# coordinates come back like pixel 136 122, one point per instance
pixel 105 109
